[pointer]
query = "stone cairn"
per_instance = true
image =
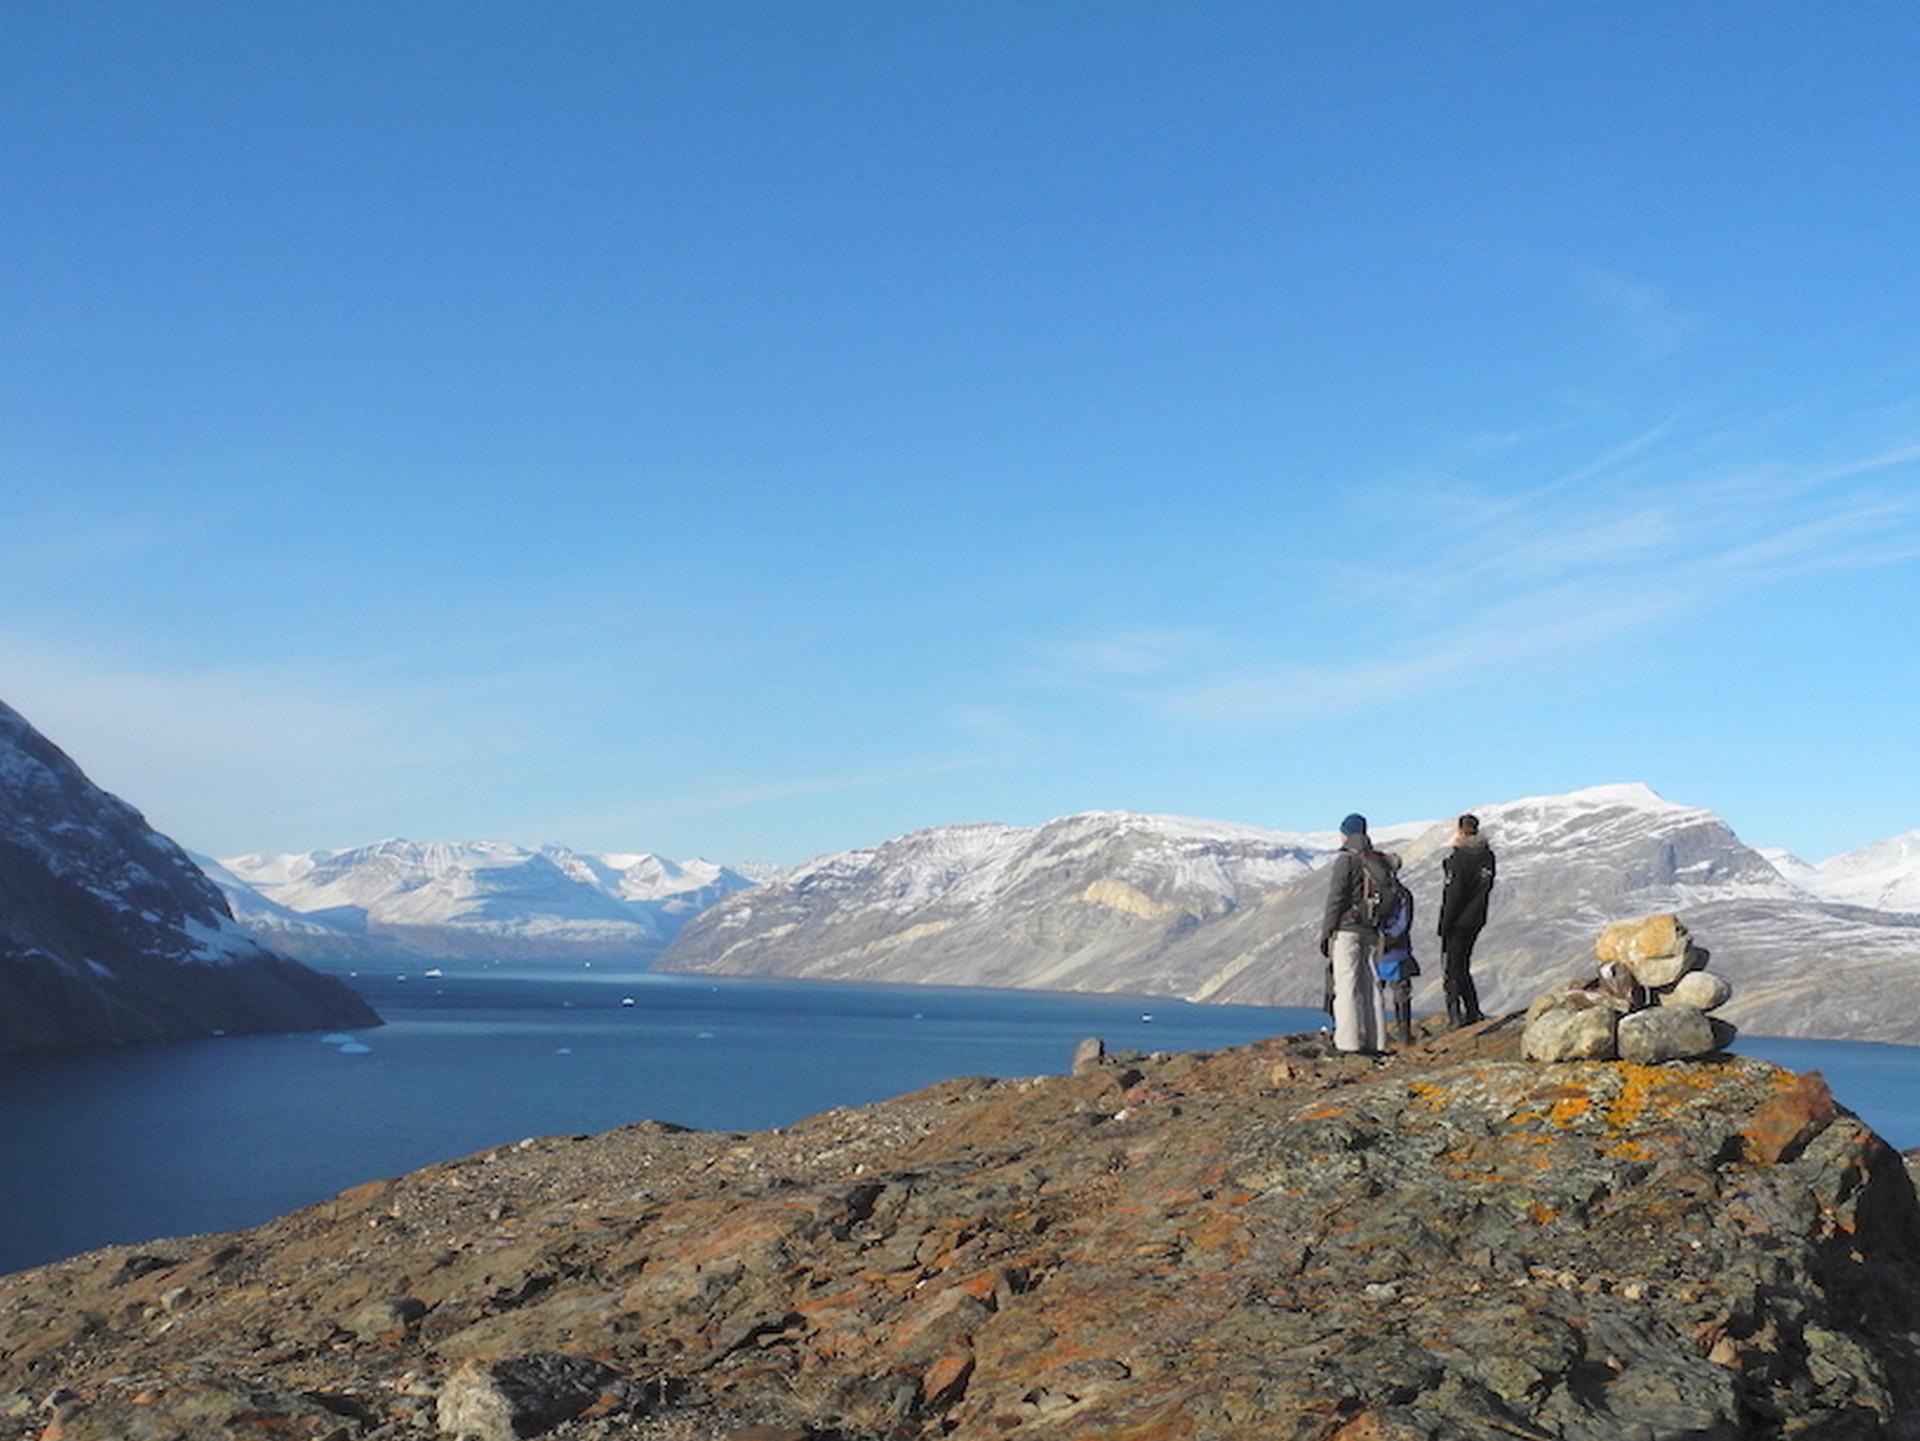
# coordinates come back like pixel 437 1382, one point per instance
pixel 1649 1002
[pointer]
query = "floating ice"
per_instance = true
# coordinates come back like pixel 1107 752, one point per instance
pixel 336 1038
pixel 355 1048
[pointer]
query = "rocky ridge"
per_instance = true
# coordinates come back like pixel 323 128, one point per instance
pixel 1274 1241
pixel 110 933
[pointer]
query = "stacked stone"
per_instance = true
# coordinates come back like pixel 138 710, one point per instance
pixel 1649 1001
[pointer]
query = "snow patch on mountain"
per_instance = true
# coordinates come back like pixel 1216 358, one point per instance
pixel 1884 875
pixel 472 898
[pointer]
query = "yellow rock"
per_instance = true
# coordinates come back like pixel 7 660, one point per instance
pixel 1119 896
pixel 1641 940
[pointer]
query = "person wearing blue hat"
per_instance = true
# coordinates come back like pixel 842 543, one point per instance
pixel 1358 883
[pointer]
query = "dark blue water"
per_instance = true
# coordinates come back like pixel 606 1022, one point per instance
pixel 107 1146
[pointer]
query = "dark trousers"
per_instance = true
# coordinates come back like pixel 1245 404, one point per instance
pixel 1396 1008
pixel 1463 1001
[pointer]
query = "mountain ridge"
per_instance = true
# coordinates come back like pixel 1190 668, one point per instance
pixel 110 933
pixel 471 899
pixel 1103 911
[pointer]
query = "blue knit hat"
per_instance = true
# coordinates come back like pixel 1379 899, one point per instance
pixel 1354 825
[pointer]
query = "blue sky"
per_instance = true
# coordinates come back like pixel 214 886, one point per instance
pixel 753 430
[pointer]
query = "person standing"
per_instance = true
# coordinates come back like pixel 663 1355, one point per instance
pixel 1349 938
pixel 1396 966
pixel 1463 912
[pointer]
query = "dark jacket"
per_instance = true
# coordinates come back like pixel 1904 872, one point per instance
pixel 1469 868
pixel 1344 888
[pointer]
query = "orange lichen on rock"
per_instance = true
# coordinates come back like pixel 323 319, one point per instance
pixel 1651 1092
pixel 1801 1107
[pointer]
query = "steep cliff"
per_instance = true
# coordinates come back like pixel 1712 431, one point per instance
pixel 110 933
pixel 1270 1241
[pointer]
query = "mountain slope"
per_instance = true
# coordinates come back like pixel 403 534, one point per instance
pixel 1086 902
pixel 1112 913
pixel 1884 875
pixel 109 932
pixel 470 900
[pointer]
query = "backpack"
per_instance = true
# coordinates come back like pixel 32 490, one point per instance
pixel 1379 894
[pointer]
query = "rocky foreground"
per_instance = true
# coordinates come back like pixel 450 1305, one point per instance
pixel 1269 1241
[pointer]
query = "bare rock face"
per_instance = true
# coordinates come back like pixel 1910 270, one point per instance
pixel 1269 1241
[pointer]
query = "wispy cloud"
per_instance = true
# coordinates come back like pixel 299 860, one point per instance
pixel 1126 654
pixel 1544 624
pixel 1591 555
pixel 307 744
pixel 1646 315
pixel 749 794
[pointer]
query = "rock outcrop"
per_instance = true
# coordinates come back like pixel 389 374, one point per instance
pixel 1269 1241
pixel 110 933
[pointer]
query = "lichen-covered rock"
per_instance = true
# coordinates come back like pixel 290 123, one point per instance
pixel 1666 1033
pixel 1572 1034
pixel 1703 990
pixel 1445 1243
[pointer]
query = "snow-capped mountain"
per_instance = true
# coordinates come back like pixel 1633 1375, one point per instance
pixel 1111 901
pixel 470 900
pixel 1084 902
pixel 1884 875
pixel 109 932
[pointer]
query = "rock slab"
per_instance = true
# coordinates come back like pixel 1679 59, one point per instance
pixel 518 1397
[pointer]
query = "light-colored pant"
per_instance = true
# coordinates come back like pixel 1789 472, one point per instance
pixel 1356 997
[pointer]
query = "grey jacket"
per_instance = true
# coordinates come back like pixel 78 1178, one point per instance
pixel 1344 885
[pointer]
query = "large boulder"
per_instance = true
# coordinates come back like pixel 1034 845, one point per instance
pixel 1566 1033
pixel 1656 949
pixel 1667 1033
pixel 1656 973
pixel 1638 940
pixel 1702 990
pixel 517 1397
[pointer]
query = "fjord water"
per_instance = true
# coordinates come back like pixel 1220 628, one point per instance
pixel 127 1145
